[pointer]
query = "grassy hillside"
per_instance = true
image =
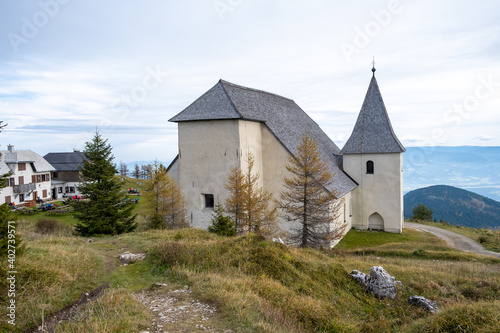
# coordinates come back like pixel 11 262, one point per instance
pixel 256 285
pixel 455 206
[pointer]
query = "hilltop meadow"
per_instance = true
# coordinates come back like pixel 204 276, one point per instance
pixel 255 285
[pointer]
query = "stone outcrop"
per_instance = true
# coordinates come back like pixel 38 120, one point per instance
pixel 129 258
pixel 378 283
pixel 423 303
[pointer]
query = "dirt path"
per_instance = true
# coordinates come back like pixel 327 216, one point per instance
pixel 453 239
pixel 176 310
pixel 70 311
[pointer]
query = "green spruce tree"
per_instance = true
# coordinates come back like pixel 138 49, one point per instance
pixel 104 210
pixel 221 224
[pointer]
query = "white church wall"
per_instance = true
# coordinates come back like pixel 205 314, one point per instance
pixel 173 170
pixel 250 136
pixel 380 192
pixel 207 152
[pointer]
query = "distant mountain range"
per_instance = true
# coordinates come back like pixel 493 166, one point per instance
pixel 473 168
pixel 455 206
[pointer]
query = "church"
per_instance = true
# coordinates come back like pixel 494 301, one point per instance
pixel 220 128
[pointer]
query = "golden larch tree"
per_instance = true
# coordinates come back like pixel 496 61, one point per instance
pixel 308 201
pixel 165 200
pixel 248 203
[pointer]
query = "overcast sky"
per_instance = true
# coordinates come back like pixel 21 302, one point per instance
pixel 125 67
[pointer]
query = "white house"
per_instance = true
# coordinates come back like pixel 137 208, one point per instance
pixel 219 129
pixel 30 177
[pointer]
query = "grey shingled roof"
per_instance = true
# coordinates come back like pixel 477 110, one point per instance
pixel 65 161
pixel 373 131
pixel 25 156
pixel 286 120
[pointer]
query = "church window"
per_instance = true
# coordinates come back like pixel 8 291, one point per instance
pixel 209 200
pixel 369 167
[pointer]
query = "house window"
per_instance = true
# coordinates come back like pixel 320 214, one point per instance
pixel 21 166
pixel 21 180
pixel 59 189
pixel 21 197
pixel 369 167
pixel 12 181
pixel 43 178
pixel 55 174
pixel 209 200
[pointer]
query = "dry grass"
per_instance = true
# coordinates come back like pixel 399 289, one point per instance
pixel 115 311
pixel 259 286
pixel 53 272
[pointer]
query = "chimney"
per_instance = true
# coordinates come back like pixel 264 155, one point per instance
pixel 10 148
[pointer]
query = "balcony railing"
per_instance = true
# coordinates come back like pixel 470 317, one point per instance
pixel 24 188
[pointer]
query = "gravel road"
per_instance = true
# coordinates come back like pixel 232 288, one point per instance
pixel 453 239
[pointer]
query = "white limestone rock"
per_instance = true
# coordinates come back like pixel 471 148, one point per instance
pixel 424 303
pixel 129 258
pixel 360 277
pixel 378 283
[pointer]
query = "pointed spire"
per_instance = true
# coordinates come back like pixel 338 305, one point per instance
pixel 373 131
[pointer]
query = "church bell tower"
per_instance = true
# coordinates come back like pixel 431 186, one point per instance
pixel 373 157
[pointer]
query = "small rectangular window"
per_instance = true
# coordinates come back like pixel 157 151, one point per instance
pixel 209 200
pixel 369 167
pixel 21 166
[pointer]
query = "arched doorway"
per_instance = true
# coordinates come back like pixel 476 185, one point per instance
pixel 376 222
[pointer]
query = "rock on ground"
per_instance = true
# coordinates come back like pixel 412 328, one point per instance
pixel 130 258
pixel 378 283
pixel 424 303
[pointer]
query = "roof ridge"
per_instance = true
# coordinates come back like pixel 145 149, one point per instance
pixel 230 99
pixel 255 90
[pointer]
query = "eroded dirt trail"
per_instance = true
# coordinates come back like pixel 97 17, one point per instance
pixel 178 311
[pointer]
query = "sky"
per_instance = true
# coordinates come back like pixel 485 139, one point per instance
pixel 124 68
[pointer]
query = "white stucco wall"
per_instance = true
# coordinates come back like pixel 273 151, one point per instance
pixel 380 192
pixel 209 149
pixel 173 170
pixel 207 152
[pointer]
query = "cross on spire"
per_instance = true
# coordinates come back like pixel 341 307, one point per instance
pixel 373 68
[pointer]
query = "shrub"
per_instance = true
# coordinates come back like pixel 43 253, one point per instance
pixel 46 226
pixel 221 224
pixel 421 212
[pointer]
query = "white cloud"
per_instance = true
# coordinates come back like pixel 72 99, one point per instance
pixel 76 68
pixel 485 137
